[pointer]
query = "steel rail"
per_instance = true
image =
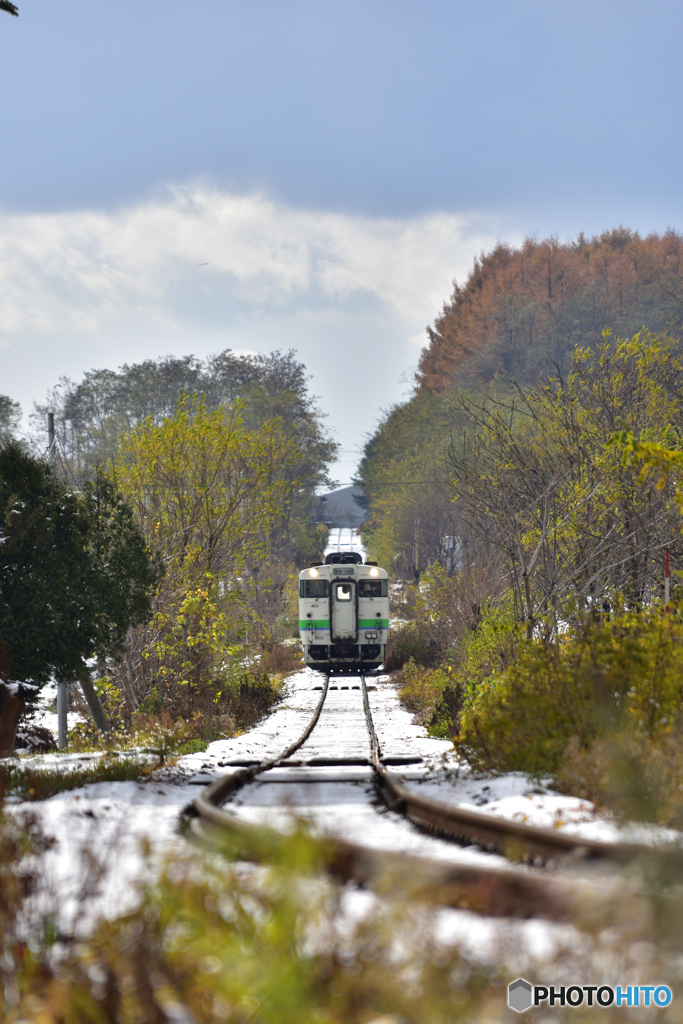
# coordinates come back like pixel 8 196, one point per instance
pixel 491 890
pixel 512 838
pixel 209 802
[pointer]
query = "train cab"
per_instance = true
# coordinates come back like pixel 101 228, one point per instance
pixel 344 613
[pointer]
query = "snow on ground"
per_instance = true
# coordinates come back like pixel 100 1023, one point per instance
pixel 343 801
pixel 111 823
pixel 111 837
pixel 505 942
pixel 511 795
pixel 348 809
pixel 43 714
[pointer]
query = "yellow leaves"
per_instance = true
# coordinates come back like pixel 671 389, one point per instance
pixel 206 492
pixel 650 456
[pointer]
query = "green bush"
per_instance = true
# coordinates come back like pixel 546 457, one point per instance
pixel 615 682
pixel 434 697
pixel 436 693
pixel 192 747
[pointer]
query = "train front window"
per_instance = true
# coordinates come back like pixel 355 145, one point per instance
pixel 373 588
pixel 342 592
pixel 313 588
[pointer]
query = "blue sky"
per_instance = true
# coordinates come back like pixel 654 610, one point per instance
pixel 335 166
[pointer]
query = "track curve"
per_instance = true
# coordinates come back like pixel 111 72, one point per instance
pixel 517 841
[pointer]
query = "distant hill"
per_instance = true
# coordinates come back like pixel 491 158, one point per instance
pixel 522 309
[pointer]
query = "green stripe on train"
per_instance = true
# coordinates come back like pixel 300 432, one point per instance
pixel 325 623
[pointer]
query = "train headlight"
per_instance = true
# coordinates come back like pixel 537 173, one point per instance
pixel 313 572
pixel 374 571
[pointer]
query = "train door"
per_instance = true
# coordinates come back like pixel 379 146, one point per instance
pixel 343 611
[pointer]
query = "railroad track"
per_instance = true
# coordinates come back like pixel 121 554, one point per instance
pixel 507 891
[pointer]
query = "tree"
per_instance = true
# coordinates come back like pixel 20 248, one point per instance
pixel 404 476
pixel 206 492
pixel 74 573
pixel 5 5
pixel 523 309
pixel 10 414
pixel 93 414
pixel 538 477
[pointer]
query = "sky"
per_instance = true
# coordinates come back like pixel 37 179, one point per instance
pixel 185 177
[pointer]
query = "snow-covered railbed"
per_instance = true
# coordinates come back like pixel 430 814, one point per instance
pixel 343 803
pixel 121 832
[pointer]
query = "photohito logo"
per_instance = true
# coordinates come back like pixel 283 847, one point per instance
pixel 522 995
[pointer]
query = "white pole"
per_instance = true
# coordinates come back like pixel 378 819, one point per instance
pixel 666 580
pixel 61 714
pixel 51 450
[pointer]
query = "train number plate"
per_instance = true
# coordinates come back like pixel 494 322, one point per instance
pixel 342 572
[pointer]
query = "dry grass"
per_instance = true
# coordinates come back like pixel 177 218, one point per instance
pixel 30 783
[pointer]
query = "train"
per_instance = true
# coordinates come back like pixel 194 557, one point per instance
pixel 344 613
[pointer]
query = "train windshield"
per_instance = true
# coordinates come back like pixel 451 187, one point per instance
pixel 373 588
pixel 343 592
pixel 313 588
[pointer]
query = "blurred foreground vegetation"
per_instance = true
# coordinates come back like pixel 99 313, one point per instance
pixel 258 932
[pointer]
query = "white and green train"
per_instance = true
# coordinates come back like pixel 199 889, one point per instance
pixel 344 613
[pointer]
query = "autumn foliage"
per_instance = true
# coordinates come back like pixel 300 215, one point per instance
pixel 521 310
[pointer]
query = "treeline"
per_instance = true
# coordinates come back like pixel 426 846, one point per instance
pixel 517 323
pixel 525 490
pixel 217 463
pixel 529 515
pixel 538 636
pixel 522 311
pixel 93 415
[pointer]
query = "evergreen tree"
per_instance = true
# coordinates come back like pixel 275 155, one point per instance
pixel 75 572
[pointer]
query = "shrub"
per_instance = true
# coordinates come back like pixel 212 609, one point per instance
pixel 413 642
pixel 434 696
pixel 637 777
pixel 252 697
pixel 279 657
pixel 40 784
pixel 212 943
pixel 192 747
pixel 237 707
pixel 616 682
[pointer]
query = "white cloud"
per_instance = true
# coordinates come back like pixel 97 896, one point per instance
pixel 199 270
pixel 83 271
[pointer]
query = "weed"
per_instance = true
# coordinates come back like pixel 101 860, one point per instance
pixel 238 707
pixel 40 784
pixel 192 747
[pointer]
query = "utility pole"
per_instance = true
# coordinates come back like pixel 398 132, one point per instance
pixel 61 714
pixel 61 684
pixel 51 448
pixel 416 551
